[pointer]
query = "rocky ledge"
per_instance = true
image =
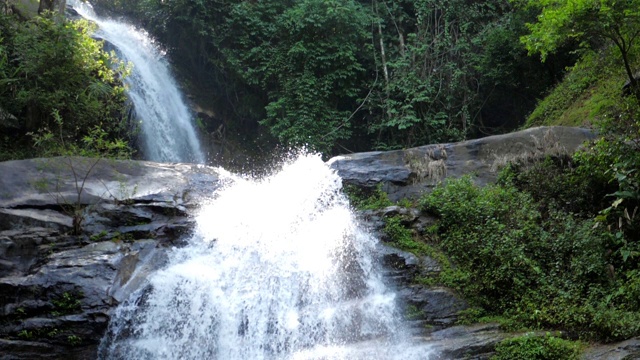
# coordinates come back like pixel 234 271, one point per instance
pixel 77 235
pixel 408 173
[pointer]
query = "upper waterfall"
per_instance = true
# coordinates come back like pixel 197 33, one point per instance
pixel 166 124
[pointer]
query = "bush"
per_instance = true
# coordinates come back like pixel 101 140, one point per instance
pixel 371 198
pixel 531 347
pixel 572 185
pixel 540 270
pixel 487 232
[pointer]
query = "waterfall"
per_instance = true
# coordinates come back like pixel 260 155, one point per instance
pixel 277 268
pixel 166 125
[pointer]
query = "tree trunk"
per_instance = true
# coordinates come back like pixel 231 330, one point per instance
pixel 383 57
pixel 624 48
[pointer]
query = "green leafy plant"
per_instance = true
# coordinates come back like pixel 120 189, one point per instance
pixel 74 340
pixel 583 21
pixel 67 303
pixel 537 266
pixel 99 236
pixel 536 347
pixel 367 198
pixel 25 334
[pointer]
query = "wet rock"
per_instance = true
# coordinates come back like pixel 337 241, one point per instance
pixel 437 306
pixel 409 173
pixel 400 267
pixel 50 183
pixel 476 342
pixel 625 350
pixel 57 289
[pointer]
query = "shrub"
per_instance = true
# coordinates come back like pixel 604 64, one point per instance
pixel 363 198
pixel 532 347
pixel 540 270
pixel 572 185
pixel 487 232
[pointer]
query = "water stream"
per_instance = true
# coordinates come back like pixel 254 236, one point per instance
pixel 278 268
pixel 166 124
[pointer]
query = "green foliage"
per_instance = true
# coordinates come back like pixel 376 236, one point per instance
pixel 25 334
pixel 399 234
pixel 306 56
pixel 492 239
pixel 353 75
pixel 413 312
pixel 539 266
pixel 367 198
pixel 554 244
pixel 51 70
pixel 65 304
pixel 586 21
pixel 426 60
pixel 586 95
pixel 573 185
pixel 534 347
pixel 74 340
pixel 99 236
pixel 95 143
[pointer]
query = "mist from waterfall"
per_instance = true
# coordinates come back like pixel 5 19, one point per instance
pixel 167 131
pixel 277 268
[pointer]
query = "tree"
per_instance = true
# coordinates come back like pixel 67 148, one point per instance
pixel 306 55
pixel 51 66
pixel 561 21
pixel 429 54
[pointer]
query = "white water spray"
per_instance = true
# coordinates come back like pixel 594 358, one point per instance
pixel 277 269
pixel 167 130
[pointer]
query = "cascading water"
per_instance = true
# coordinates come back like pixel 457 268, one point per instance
pixel 167 130
pixel 276 269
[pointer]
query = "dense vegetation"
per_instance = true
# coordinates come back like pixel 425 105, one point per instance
pixel 553 245
pixel 342 76
pixel 60 93
pixel 354 75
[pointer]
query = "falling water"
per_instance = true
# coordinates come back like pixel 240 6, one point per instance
pixel 166 125
pixel 278 268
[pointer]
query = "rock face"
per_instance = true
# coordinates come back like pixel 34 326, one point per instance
pixel 429 308
pixel 626 350
pixel 57 289
pixel 408 173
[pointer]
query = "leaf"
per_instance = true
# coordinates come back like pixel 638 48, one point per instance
pixel 617 202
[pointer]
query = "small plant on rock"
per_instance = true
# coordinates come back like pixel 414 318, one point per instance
pixel 532 347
